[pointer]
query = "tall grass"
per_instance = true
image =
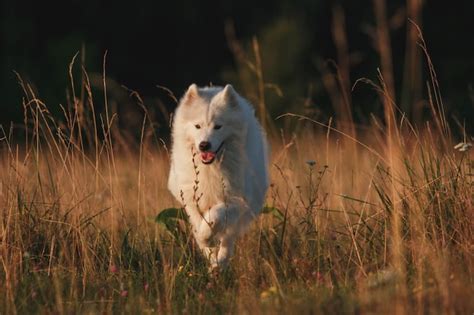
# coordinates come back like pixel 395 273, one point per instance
pixel 387 232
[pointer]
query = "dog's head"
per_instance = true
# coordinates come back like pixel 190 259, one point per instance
pixel 210 117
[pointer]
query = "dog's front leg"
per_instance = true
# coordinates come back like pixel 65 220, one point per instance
pixel 226 249
pixel 194 218
pixel 219 218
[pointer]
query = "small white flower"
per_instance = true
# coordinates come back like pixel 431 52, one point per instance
pixel 463 146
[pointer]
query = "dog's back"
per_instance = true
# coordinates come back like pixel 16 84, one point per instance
pixel 256 170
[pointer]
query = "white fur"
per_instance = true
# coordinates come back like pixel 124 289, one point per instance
pixel 231 190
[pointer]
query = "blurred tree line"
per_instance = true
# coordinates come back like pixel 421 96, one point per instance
pixel 307 54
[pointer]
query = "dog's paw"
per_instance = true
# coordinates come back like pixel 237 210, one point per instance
pixel 212 223
pixel 205 233
pixel 210 253
pixel 214 271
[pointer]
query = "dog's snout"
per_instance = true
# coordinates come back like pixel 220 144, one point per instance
pixel 204 146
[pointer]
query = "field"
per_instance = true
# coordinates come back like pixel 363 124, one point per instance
pixel 378 223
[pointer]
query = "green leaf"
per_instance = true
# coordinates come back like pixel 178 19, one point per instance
pixel 169 217
pixel 274 211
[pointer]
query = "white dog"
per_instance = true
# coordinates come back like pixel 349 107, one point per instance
pixel 218 167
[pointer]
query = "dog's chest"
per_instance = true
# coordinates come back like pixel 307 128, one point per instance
pixel 206 188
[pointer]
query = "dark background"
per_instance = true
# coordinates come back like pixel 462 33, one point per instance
pixel 176 43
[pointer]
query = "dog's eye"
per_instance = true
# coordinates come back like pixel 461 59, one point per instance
pixel 217 127
pixel 197 126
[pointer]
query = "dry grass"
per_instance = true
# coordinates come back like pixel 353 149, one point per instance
pixel 78 231
pixel 381 223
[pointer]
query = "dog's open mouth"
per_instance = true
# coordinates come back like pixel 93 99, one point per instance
pixel 207 157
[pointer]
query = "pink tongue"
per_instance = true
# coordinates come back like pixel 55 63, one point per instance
pixel 207 156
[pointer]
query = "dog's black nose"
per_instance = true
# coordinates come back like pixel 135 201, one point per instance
pixel 204 146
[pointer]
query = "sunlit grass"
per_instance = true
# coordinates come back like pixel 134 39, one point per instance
pixel 362 219
pixel 78 231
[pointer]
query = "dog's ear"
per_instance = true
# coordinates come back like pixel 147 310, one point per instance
pixel 229 95
pixel 191 94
